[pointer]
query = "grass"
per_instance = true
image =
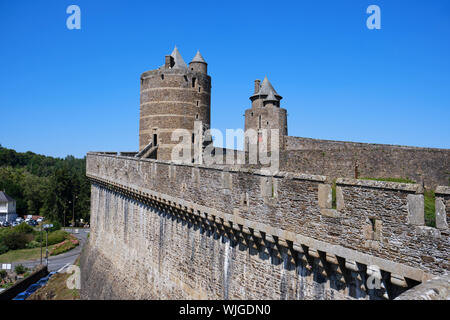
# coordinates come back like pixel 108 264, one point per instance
pixel 56 289
pixel 35 253
pixel 400 180
pixel 430 210
pixel 23 254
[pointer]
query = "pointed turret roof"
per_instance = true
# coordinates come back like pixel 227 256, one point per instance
pixel 178 59
pixel 198 58
pixel 271 97
pixel 266 89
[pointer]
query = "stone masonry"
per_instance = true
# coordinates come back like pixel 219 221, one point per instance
pixel 212 232
pixel 165 230
pixel 173 97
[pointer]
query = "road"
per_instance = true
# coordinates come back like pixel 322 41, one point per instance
pixel 61 260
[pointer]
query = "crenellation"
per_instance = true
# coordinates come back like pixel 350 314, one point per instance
pixel 280 233
pixel 416 211
pixel 219 231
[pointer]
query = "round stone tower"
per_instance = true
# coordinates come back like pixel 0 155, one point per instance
pixel 173 96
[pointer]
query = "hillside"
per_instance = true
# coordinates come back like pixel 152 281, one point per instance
pixel 44 185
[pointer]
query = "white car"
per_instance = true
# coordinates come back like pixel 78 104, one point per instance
pixel 40 219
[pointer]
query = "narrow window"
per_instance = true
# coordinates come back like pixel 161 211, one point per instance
pixel 162 77
pixel 251 114
pixel 372 221
pixel 260 122
pixel 199 89
pixel 185 78
pixel 155 139
pixel 193 82
pixel 197 103
pixel 196 116
pixel 193 138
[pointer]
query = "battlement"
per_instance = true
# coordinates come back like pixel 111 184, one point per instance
pixel 309 231
pixel 374 223
pixel 347 159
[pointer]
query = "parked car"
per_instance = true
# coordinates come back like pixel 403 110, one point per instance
pixel 22 296
pixel 6 224
pixel 31 289
pixel 19 220
pixel 32 223
pixel 40 219
pixel 15 223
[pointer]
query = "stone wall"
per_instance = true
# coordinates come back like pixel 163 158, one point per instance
pixel 136 251
pixel 339 159
pixel 437 288
pixel 161 230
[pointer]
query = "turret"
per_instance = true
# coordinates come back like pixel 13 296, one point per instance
pixel 198 64
pixel 262 92
pixel 266 113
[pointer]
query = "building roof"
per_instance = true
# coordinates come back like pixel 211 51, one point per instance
pixel 271 97
pixel 4 197
pixel 178 59
pixel 266 89
pixel 198 58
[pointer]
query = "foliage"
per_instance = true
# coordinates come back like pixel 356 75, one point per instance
pixel 33 244
pixel 7 285
pixel 56 226
pixel 20 269
pixel 44 185
pixel 57 236
pixel 24 254
pixel 3 274
pixel 400 180
pixel 15 240
pixel 62 247
pixel 430 213
pixel 3 248
pixel 23 228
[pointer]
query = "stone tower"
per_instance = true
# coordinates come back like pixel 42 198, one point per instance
pixel 173 96
pixel 266 113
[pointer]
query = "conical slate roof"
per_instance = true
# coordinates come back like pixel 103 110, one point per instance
pixel 198 58
pixel 267 89
pixel 178 59
pixel 271 97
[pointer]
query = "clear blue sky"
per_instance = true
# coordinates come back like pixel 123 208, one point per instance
pixel 71 91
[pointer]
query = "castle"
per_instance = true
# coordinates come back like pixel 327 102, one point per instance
pixel 176 96
pixel 310 230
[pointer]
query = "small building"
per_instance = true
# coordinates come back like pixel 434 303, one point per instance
pixel 7 208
